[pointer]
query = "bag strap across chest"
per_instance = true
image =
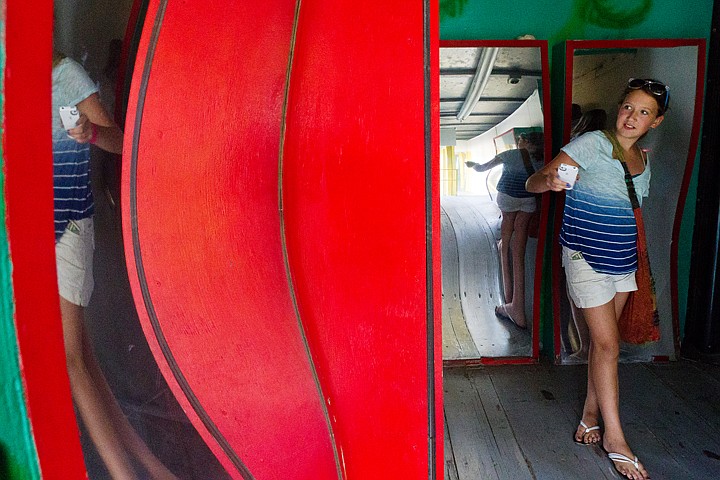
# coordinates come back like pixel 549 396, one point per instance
pixel 619 154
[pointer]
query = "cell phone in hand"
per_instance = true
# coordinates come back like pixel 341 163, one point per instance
pixel 69 116
pixel 568 174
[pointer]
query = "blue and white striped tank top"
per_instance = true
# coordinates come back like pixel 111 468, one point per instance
pixel 71 160
pixel 598 219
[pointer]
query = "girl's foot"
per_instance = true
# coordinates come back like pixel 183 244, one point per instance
pixel 587 435
pixel 625 462
pixel 506 312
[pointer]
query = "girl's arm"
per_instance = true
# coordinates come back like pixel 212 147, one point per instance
pixel 482 167
pixel 96 126
pixel 547 178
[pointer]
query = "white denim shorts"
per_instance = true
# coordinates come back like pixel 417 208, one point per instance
pixel 74 259
pixel 507 203
pixel 588 288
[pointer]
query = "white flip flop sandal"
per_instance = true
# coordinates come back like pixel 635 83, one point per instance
pixel 619 457
pixel 585 432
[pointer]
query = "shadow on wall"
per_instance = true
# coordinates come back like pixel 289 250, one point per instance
pixel 4 467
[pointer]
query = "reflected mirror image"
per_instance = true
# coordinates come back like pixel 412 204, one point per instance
pixel 131 425
pixel 492 140
pixel 598 77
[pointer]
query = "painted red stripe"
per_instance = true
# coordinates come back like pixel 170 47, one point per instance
pixel 354 196
pixel 28 193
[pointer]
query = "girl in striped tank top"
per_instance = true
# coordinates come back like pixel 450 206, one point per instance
pixel 598 239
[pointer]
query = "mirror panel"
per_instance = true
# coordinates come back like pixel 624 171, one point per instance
pixel 596 74
pixel 492 93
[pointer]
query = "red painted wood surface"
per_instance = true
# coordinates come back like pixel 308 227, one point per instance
pixel 354 201
pixel 263 349
pixel 207 235
pixel 438 432
pixel 29 218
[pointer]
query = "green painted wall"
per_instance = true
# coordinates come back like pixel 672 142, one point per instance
pixel 560 20
pixel 17 450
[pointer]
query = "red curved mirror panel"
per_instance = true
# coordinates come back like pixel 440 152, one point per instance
pixel 277 231
pixel 354 201
pixel 202 234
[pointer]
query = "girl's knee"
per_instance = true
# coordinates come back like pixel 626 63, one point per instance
pixel 607 348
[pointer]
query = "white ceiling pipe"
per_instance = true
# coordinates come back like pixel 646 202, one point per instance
pixel 482 75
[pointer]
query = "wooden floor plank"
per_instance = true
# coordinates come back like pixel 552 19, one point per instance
pixel 475 451
pixel 544 414
pixel 468 428
pixel 498 415
pixel 457 341
pixel 682 377
pixel 511 462
pixel 654 415
pixel 450 469
pixel 711 369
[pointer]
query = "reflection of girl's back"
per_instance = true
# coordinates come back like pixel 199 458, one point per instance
pixel 492 181
pixel 517 207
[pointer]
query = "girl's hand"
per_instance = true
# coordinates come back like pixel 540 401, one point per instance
pixel 83 132
pixel 547 177
pixel 554 182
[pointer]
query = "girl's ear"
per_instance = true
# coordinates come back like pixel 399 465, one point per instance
pixel 657 121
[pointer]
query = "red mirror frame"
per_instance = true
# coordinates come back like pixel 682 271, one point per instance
pixel 542 45
pixel 571 46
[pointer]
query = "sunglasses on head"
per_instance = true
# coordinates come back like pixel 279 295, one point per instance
pixel 652 87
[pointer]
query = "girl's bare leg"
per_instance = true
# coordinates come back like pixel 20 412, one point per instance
pixel 88 398
pixel 603 379
pixel 506 232
pixel 591 409
pixel 130 439
pixel 516 307
pixel 583 335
